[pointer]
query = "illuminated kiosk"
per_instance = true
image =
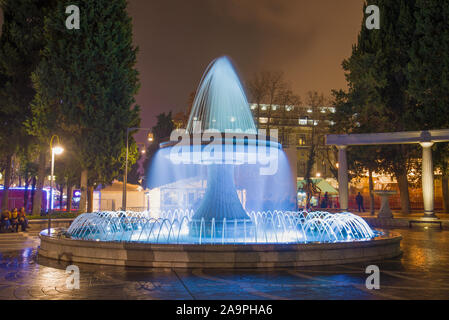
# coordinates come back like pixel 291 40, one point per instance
pixel 238 219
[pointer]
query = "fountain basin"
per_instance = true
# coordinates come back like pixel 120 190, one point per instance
pixel 222 256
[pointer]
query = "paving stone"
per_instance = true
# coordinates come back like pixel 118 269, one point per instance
pixel 421 273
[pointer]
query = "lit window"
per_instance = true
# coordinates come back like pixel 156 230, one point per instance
pixel 264 107
pixel 303 121
pixel 289 108
pixel 263 120
pixel 274 108
pixel 253 106
pixel 301 139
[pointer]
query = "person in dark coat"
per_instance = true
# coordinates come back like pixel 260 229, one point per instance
pixel 359 200
pixel 325 202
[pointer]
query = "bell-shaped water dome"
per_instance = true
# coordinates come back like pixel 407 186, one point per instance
pixel 220 102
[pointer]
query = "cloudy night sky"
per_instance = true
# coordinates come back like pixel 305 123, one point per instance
pixel 307 40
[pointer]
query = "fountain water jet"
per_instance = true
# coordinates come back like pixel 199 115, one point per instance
pixel 221 105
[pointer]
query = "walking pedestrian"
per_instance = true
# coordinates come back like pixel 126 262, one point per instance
pixel 359 200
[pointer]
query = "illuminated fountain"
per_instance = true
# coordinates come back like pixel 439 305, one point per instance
pixel 221 182
pixel 277 227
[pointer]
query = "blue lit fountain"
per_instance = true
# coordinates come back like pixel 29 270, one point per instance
pixel 221 196
pixel 236 197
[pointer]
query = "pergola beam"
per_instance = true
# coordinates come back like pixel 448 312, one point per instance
pixel 407 137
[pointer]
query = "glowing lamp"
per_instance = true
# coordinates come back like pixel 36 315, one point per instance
pixel 58 150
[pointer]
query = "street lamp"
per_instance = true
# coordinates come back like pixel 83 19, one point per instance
pixel 142 147
pixel 125 175
pixel 55 150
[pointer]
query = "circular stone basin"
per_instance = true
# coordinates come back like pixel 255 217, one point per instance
pixel 218 255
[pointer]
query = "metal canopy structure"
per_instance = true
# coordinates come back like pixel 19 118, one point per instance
pixel 425 138
pixel 406 137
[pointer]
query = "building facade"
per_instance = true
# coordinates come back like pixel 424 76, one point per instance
pixel 300 127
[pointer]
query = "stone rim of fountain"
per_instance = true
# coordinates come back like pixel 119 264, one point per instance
pixel 220 256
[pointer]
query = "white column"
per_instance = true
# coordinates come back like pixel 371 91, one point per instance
pixel 343 177
pixel 427 179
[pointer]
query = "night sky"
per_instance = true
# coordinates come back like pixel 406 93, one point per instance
pixel 307 40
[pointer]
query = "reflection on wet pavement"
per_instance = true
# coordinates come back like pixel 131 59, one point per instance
pixel 421 273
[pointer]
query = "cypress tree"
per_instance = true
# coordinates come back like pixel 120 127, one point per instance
pixel 377 78
pixel 20 44
pixel 428 75
pixel 87 79
pixel 428 69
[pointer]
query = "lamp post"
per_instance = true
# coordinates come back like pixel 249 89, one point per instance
pixel 125 176
pixel 55 150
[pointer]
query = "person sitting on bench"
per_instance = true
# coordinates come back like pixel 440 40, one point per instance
pixel 13 219
pixel 5 223
pixel 23 221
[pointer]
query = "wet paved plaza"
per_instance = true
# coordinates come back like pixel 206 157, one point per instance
pixel 421 273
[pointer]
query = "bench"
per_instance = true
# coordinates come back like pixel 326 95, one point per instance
pixel 425 221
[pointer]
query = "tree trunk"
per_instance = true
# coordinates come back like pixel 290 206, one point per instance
pixel 371 191
pixel 90 199
pixel 445 189
pixel 37 198
pixel 7 181
pixel 69 197
pixel 26 193
pixel 33 191
pixel 404 194
pixel 61 196
pixel 83 198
